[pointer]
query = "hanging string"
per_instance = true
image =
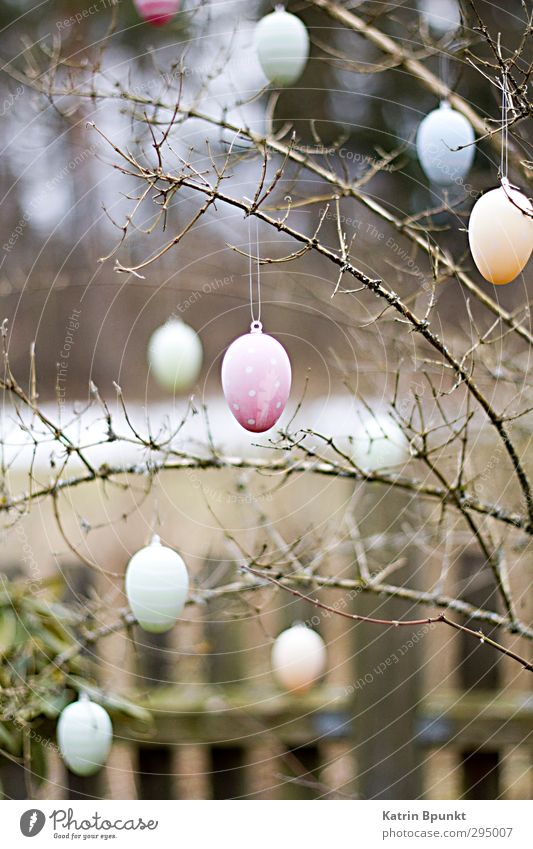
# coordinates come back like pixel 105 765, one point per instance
pixel 258 270
pixel 444 67
pixel 449 46
pixel 504 156
pixel 255 321
pixel 156 520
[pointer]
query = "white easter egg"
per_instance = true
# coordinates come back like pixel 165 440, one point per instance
pixel 157 584
pixel 439 135
pixel 84 735
pixel 298 658
pixel 379 443
pixel 175 355
pixel 157 12
pixel 441 16
pixel 282 45
pixel 501 234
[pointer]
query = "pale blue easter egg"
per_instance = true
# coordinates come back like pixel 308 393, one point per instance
pixel 85 735
pixel 282 46
pixel 439 136
pixel 157 585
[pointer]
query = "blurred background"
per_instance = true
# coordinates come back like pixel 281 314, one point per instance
pixel 448 720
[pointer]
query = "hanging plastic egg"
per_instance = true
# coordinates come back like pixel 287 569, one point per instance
pixel 157 12
pixel 441 16
pixel 282 45
pixel 157 584
pixel 175 355
pixel 256 379
pixel 84 735
pixel 298 658
pixel 501 234
pixel 439 136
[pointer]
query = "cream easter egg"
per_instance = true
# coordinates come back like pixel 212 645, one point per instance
pixel 157 584
pixel 157 12
pixel 500 233
pixel 175 356
pixel 298 658
pixel 84 735
pixel 282 46
pixel 256 379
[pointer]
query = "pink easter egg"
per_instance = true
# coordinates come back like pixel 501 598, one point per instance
pixel 157 12
pixel 256 379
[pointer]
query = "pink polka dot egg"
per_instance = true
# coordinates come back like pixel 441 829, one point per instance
pixel 157 12
pixel 256 379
